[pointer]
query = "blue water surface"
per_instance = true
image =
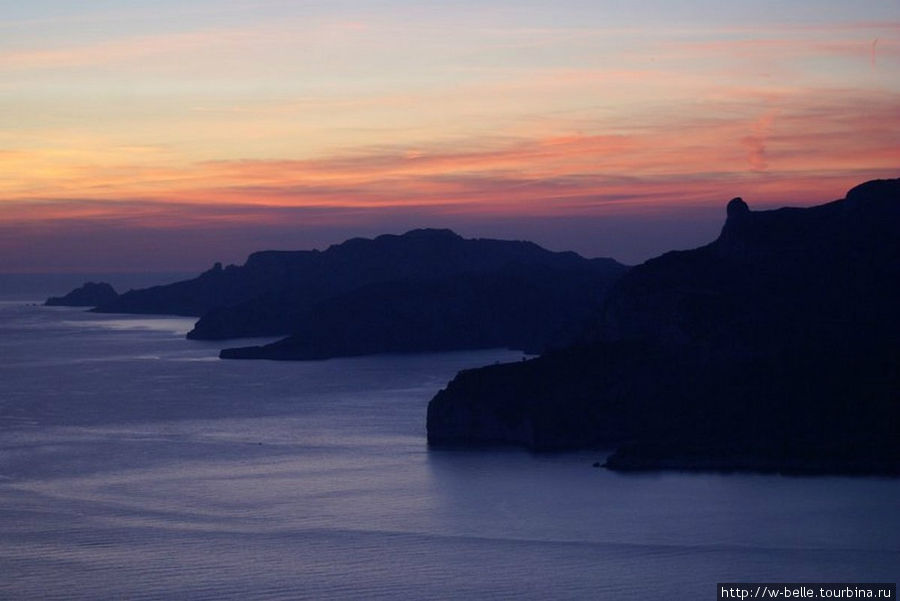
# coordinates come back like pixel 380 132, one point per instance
pixel 134 464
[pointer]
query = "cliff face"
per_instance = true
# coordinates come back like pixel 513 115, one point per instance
pixel 829 270
pixel 418 259
pixel 421 291
pixel 519 306
pixel 773 347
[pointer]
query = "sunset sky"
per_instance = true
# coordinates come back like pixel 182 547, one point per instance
pixel 163 135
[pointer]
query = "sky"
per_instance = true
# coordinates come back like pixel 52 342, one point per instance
pixel 141 135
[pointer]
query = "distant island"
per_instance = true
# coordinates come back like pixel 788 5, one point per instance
pixel 425 290
pixel 90 294
pixel 774 348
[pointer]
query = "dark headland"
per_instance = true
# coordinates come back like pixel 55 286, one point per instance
pixel 90 294
pixel 774 348
pixel 425 290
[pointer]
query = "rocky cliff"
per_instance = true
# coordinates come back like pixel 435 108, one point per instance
pixel 773 347
pixel 518 306
pixel 425 290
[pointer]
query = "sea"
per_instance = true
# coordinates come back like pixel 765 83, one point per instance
pixel 135 464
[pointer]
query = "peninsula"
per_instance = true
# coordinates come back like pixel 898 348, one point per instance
pixel 776 347
pixel 425 290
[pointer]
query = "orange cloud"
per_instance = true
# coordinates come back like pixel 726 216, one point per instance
pixel 756 143
pixel 797 140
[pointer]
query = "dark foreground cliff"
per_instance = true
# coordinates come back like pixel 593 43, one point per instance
pixel 774 348
pixel 426 290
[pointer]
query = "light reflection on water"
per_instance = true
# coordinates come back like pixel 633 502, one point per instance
pixel 155 471
pixel 154 323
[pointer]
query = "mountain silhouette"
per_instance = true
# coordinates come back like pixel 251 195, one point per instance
pixel 425 290
pixel 90 294
pixel 775 347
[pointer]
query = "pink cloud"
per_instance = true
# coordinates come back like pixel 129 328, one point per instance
pixel 756 142
pixel 835 138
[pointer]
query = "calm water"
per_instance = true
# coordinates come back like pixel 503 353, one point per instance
pixel 136 465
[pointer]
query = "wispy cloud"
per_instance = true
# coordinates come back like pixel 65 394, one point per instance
pixel 113 51
pixel 270 112
pixel 843 135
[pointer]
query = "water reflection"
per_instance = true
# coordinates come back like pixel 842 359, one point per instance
pixel 152 323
